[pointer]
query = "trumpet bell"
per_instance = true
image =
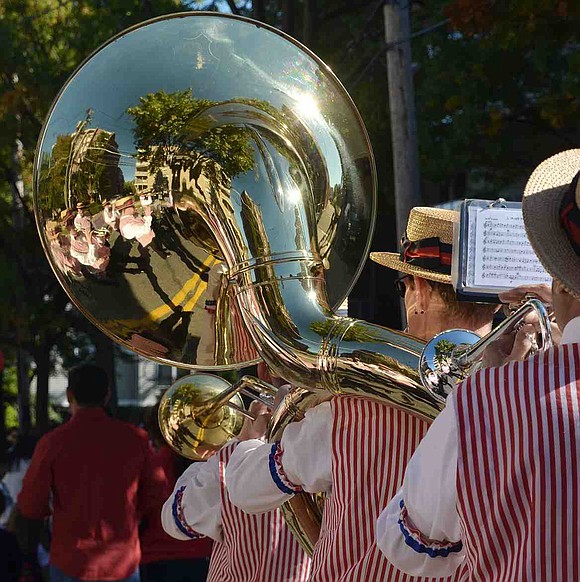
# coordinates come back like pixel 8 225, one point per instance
pixel 439 366
pixel 452 355
pixel 189 420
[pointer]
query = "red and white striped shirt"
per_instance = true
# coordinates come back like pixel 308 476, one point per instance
pixel 505 500
pixel 355 450
pixel 371 445
pixel 248 548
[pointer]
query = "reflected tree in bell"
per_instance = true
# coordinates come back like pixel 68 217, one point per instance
pixel 444 355
pixel 172 130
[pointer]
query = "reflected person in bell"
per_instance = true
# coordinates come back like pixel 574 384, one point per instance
pixel 82 221
pixel 133 226
pixel 247 548
pixel 110 215
pixel 355 449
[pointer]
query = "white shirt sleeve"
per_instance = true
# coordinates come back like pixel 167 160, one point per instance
pixel 110 216
pixel 261 477
pixel 136 227
pixel 194 507
pixel 419 530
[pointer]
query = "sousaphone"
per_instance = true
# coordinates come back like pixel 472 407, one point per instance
pixel 205 192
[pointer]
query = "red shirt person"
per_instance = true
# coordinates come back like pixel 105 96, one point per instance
pixel 94 475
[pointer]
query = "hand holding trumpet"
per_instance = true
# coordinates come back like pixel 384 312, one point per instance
pixel 521 342
pixel 256 429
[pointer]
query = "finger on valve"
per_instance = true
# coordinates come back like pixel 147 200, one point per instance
pixel 497 352
pixel 258 408
pixel 281 394
pixel 524 343
pixel 511 347
pixel 256 429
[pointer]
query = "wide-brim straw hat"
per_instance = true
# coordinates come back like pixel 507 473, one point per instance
pixel 424 223
pixel 541 205
pixel 66 214
pixel 124 202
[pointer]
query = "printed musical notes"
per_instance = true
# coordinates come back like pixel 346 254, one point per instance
pixel 500 253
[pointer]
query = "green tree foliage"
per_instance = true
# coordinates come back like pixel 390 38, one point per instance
pixel 498 88
pixel 42 41
pixel 444 352
pixel 172 130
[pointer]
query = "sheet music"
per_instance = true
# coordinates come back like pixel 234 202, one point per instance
pixel 471 231
pixel 501 255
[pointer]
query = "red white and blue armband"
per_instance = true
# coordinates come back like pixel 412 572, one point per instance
pixel 179 517
pixel 422 544
pixel 277 471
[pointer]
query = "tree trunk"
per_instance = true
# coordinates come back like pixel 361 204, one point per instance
pixel 288 17
pixel 259 10
pixel 23 377
pixel 309 22
pixel 42 358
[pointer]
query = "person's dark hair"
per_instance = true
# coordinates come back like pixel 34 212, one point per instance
pixel 89 385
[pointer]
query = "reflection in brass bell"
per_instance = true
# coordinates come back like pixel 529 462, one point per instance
pixel 201 412
pixel 184 152
pixel 190 421
pixel 439 367
pixel 452 355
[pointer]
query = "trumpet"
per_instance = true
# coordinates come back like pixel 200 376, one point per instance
pixel 201 412
pixel 454 354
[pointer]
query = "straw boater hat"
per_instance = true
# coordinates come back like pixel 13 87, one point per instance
pixel 66 214
pixel 551 208
pixel 124 202
pixel 81 205
pixel 425 246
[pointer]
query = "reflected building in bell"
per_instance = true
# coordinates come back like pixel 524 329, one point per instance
pixel 166 181
pixel 93 171
pixel 151 183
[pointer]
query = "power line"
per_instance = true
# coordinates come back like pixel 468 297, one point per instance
pixel 386 46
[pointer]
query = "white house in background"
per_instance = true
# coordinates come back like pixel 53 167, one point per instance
pixel 139 381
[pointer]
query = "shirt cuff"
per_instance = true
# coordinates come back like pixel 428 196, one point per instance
pixel 421 543
pixel 179 517
pixel 402 544
pixel 277 471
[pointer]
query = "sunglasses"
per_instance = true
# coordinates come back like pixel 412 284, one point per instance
pixel 400 285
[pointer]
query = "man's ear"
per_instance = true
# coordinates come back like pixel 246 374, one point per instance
pixel 423 293
pixel 70 396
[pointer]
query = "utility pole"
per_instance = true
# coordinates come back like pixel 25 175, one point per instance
pixel 22 356
pixel 402 110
